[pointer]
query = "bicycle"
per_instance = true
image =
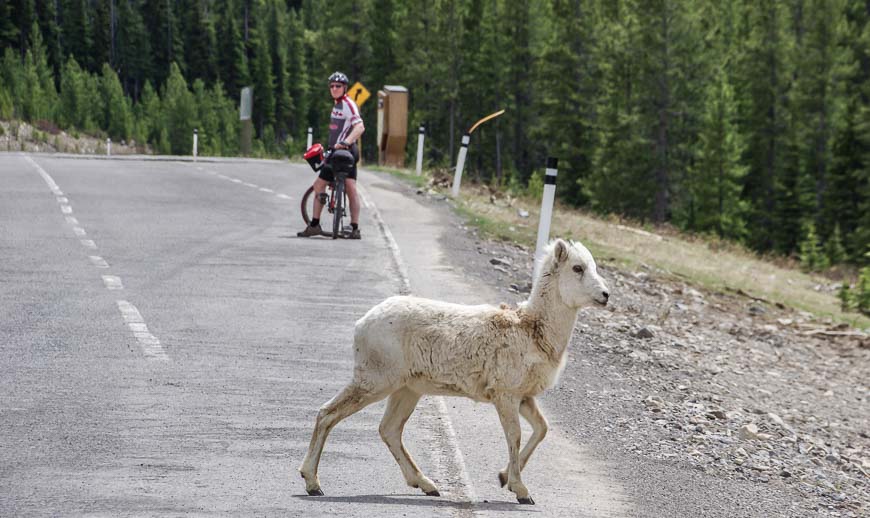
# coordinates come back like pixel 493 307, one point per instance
pixel 334 199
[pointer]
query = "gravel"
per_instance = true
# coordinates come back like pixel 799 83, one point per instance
pixel 765 401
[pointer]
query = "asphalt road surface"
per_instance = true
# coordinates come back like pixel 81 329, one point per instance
pixel 167 340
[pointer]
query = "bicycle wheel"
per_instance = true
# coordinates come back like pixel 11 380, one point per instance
pixel 340 204
pixel 307 205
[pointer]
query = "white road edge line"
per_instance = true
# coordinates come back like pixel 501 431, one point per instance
pixel 440 405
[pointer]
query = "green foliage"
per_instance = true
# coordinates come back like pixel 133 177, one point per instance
pixel 812 256
pixel 180 113
pixel 735 118
pixel 117 117
pixel 535 188
pixel 834 250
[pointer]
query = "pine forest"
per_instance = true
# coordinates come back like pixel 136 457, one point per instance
pixel 743 119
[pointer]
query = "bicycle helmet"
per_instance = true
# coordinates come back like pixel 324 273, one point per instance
pixel 338 77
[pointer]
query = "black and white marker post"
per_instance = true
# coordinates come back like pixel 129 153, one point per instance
pixel 108 147
pixel 463 150
pixel 420 150
pixel 460 164
pixel 546 211
pixel 195 142
pixel 310 138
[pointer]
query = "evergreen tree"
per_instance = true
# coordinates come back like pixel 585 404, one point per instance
pixel 8 29
pixel 102 32
pixel 180 110
pixel 620 181
pixel 763 76
pixel 47 15
pixel 232 59
pixel 166 37
pixel 568 88
pixel 199 43
pixel 264 83
pixel 117 118
pixel 76 36
pixel 73 96
pixel 297 76
pixel 134 48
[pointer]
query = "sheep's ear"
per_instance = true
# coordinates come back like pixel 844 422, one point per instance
pixel 560 252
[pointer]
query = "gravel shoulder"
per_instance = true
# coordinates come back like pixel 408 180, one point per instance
pixel 707 403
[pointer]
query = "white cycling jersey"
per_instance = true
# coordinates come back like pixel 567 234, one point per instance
pixel 345 115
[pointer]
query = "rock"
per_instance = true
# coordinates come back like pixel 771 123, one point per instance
pixel 756 310
pixel 748 432
pixel 500 269
pixel 644 333
pixel 500 261
pixel 522 213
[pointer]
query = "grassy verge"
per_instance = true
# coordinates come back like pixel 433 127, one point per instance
pixel 711 265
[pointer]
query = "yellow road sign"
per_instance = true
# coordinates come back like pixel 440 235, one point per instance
pixel 358 93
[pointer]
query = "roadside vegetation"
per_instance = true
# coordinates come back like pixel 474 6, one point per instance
pixel 511 214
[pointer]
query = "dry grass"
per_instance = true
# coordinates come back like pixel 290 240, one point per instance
pixel 712 265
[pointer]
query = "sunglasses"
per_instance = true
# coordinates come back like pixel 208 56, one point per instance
pixel 339 85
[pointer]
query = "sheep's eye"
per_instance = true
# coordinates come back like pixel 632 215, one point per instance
pixel 577 268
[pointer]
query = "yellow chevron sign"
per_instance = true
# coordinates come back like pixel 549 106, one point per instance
pixel 358 93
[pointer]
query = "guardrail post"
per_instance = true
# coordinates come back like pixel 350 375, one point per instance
pixel 108 147
pixel 310 138
pixel 195 139
pixel 546 211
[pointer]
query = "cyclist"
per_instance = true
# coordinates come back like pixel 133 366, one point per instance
pixel 345 128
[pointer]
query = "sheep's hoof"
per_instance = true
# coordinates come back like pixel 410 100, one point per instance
pixel 527 500
pixel 502 479
pixel 315 492
pixel 434 492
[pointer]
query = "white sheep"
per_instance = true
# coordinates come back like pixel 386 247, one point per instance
pixel 406 347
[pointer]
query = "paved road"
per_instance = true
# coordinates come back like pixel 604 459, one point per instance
pixel 167 340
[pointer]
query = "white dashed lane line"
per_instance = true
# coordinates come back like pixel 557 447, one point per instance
pixel 149 343
pixel 246 184
pixel 113 282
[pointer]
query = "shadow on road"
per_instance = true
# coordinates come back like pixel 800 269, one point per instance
pixel 422 501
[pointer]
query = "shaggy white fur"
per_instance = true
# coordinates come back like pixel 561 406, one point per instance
pixel 406 347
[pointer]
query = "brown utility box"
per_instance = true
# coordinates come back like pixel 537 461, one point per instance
pixel 392 125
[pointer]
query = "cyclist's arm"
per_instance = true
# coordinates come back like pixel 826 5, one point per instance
pixel 355 132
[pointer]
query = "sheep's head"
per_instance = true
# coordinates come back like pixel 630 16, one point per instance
pixel 577 276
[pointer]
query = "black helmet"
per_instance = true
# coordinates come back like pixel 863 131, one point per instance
pixel 338 77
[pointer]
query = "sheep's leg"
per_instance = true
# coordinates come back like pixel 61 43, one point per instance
pixel 349 401
pixel 400 406
pixel 532 413
pixel 508 412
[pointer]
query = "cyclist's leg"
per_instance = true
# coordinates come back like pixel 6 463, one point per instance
pixel 319 187
pixel 353 198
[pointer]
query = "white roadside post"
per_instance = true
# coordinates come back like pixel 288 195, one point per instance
pixel 463 150
pixel 420 150
pixel 108 147
pixel 310 138
pixel 195 139
pixel 460 164
pixel 546 211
